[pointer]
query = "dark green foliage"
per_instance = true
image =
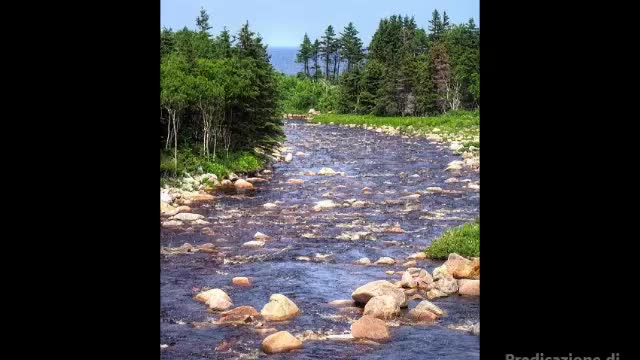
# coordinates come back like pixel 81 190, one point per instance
pixel 219 97
pixel 405 71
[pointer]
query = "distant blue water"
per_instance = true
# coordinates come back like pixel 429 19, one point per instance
pixel 283 60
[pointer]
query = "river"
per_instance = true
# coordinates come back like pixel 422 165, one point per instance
pixel 392 167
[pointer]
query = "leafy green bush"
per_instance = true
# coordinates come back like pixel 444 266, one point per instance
pixel 463 240
pixel 192 163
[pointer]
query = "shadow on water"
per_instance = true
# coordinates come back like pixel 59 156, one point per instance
pixel 392 167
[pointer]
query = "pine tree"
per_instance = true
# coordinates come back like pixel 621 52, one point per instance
pixel 445 21
pixel 305 53
pixel 351 46
pixel 316 57
pixel 202 21
pixel 328 48
pixel 435 25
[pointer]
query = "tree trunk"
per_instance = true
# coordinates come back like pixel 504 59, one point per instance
pixel 326 66
pixel 175 141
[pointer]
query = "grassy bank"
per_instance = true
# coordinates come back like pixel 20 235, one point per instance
pixel 449 125
pixel 463 240
pixel 189 162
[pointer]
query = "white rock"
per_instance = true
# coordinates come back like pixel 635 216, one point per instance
pixel 254 243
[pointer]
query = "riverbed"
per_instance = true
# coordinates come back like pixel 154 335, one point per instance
pixel 310 255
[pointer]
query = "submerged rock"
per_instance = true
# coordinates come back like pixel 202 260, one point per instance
pixel 394 230
pixel 260 236
pixel 254 243
pixel 241 281
pixel 342 303
pixel 295 181
pixel 385 261
pixel 324 204
pixel 239 315
pixel 282 341
pixel 363 261
pixel 270 206
pixel 172 223
pixel 410 263
pixel 417 256
pixel 326 171
pixel 187 217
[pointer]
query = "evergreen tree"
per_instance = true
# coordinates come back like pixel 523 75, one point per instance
pixel 202 21
pixel 328 48
pixel 305 54
pixel 351 46
pixel 445 21
pixel 316 57
pixel 435 25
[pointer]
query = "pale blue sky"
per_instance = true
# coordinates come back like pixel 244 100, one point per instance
pixel 284 22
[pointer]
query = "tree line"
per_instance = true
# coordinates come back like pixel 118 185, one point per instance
pixel 218 94
pixel 406 70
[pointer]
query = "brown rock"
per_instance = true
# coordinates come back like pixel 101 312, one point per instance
pixel 417 256
pixel 385 261
pixel 394 230
pixel 462 268
pixel 208 247
pixel 282 341
pixel 341 303
pixel 409 264
pixel 378 288
pixel 241 281
pixel 435 293
pixel 368 327
pixel 256 180
pixel 383 307
pixel 363 261
pixel 243 185
pixel 295 181
pixel 241 315
pixel 408 281
pixel 410 292
pixel 469 287
pixel 198 197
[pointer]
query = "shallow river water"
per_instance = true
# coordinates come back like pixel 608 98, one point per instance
pixel 392 167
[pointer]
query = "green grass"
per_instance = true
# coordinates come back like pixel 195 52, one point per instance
pixel 466 122
pixel 463 240
pixel 190 162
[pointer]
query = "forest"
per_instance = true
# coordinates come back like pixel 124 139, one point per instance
pixel 405 71
pixel 219 100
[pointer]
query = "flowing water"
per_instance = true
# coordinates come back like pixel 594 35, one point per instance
pixel 392 167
